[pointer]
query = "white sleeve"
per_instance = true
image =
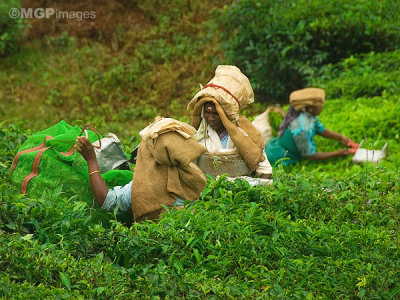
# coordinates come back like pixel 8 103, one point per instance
pixel 119 195
pixel 264 167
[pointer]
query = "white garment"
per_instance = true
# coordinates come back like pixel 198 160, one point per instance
pixel 119 195
pixel 213 144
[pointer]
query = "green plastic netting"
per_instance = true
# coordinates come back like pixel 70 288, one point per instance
pixel 57 167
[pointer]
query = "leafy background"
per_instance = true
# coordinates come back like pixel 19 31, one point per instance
pixel 322 230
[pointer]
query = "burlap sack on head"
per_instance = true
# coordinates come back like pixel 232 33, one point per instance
pixel 165 169
pixel 230 87
pixel 307 97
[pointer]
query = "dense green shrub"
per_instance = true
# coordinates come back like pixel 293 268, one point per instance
pixel 11 29
pixel 332 239
pixel 321 230
pixel 11 137
pixel 280 44
pixel 368 75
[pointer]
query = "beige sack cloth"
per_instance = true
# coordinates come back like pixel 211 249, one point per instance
pixel 307 97
pixel 261 122
pixel 244 135
pixel 163 125
pixel 165 169
pixel 230 87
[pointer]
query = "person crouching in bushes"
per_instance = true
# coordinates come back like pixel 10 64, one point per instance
pixel 296 133
pixel 220 127
pixel 164 173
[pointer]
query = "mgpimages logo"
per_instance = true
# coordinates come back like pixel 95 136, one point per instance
pixel 40 13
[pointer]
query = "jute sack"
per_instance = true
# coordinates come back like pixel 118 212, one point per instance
pixel 165 169
pixel 230 87
pixel 307 97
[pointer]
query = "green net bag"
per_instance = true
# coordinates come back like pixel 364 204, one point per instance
pixel 48 160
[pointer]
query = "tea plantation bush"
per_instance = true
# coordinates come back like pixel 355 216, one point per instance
pixel 281 44
pixel 318 232
pixel 367 75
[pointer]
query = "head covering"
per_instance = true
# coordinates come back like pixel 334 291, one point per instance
pixel 202 129
pixel 299 100
pixel 307 97
pixel 230 87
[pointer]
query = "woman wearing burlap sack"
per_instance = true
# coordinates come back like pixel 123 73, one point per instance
pixel 227 135
pixel 164 173
pixel 295 138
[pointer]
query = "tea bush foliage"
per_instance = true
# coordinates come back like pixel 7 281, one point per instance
pixel 368 75
pixel 282 44
pixel 325 230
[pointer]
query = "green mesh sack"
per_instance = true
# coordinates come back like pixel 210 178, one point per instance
pixel 48 160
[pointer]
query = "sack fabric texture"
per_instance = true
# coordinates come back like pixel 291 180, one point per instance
pixel 165 169
pixel 307 97
pixel 48 160
pixel 230 87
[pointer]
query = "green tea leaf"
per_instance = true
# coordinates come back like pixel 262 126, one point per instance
pixel 65 280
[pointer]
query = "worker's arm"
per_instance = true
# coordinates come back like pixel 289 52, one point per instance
pixel 336 136
pixel 326 155
pixel 99 187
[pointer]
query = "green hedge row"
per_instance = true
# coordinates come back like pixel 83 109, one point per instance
pixel 313 233
pixel 282 44
pixel 367 75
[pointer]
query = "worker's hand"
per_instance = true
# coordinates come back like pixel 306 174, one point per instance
pixel 85 147
pixel 346 141
pixel 345 151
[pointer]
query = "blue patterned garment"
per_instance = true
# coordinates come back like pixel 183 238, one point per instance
pixel 297 140
pixel 224 140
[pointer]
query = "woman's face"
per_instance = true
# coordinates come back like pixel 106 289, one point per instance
pixel 314 110
pixel 212 117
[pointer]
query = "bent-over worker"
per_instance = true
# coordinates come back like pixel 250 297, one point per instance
pixel 164 173
pixel 296 133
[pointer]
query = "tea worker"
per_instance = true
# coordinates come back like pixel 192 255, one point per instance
pixel 164 173
pixel 215 115
pixel 295 139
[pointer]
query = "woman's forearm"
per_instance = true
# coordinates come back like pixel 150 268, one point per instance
pixel 332 135
pixel 326 155
pixel 337 136
pixel 99 187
